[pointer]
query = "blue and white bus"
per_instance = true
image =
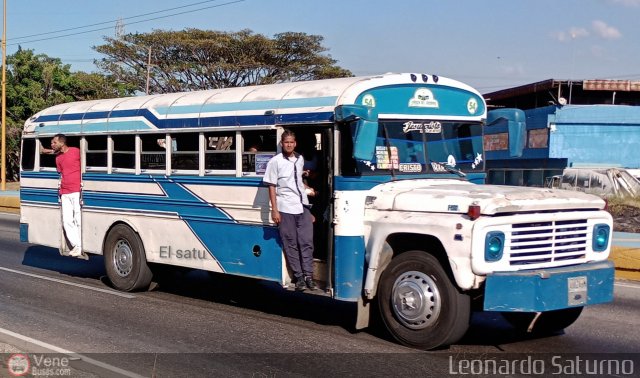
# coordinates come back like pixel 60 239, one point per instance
pixel 401 224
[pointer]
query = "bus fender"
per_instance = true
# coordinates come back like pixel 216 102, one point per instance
pixel 379 259
pixel 124 221
pixel 383 259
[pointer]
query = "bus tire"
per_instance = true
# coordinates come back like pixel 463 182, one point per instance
pixel 419 305
pixel 548 322
pixel 125 260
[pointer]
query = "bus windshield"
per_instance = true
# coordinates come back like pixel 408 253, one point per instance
pixel 425 146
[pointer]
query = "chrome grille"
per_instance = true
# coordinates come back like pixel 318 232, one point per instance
pixel 547 242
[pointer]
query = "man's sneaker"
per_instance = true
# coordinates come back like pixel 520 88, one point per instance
pixel 300 285
pixel 75 252
pixel 310 284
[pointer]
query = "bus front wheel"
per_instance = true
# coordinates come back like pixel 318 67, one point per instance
pixel 125 260
pixel 419 305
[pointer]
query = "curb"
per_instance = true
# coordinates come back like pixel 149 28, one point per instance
pixel 10 204
pixel 627 262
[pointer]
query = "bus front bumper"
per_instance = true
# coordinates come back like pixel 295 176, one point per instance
pixel 550 289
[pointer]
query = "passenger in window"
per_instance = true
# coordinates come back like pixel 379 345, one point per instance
pixel 252 144
pixel 290 210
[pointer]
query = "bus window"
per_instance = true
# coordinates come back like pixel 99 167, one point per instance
pixel 184 155
pixel 28 154
pixel 96 152
pixel 47 160
pixel 220 152
pixel 124 151
pixel 259 146
pixel 153 154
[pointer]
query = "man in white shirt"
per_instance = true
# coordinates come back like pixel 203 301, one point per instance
pixel 290 210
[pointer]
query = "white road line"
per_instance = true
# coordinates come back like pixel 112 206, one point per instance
pixel 71 354
pixel 629 286
pixel 112 292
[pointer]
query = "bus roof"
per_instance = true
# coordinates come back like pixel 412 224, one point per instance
pixel 275 104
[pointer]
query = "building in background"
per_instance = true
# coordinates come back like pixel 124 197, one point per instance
pixel 590 123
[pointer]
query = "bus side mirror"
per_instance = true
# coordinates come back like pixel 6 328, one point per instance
pixel 366 131
pixel 515 121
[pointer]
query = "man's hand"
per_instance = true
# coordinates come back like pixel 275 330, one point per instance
pixel 275 216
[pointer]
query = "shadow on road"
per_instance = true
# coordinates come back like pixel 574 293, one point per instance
pixel 49 259
pixel 486 329
pixel 263 296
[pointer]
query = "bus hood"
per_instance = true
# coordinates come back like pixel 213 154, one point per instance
pixel 455 196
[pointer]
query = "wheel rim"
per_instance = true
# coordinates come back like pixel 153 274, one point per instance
pixel 123 258
pixel 416 300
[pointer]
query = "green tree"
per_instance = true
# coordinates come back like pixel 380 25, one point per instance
pixel 37 81
pixel 195 59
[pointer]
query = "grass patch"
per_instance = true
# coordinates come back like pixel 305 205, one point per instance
pixel 618 204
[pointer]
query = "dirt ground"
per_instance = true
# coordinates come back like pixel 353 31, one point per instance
pixel 626 219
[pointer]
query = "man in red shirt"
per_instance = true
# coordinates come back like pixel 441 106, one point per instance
pixel 68 165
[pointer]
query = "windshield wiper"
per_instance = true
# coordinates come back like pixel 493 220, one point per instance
pixel 455 170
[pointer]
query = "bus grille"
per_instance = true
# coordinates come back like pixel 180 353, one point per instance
pixel 548 242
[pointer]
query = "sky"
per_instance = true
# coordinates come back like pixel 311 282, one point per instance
pixel 490 44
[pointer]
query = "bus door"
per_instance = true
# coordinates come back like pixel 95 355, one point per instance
pixel 315 144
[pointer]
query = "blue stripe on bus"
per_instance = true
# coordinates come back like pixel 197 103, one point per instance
pixel 349 267
pixel 249 181
pixel 114 122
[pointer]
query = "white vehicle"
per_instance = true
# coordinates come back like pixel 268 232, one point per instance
pixel 604 182
pixel 402 222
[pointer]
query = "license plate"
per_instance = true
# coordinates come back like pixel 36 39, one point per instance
pixel 577 290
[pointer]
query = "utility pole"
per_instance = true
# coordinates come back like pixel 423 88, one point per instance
pixel 3 173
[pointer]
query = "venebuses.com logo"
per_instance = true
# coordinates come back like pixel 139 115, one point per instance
pixel 43 365
pixel 18 364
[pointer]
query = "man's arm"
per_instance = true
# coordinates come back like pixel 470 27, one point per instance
pixel 275 214
pixel 46 150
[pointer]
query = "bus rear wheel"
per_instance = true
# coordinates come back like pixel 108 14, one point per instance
pixel 125 260
pixel 419 305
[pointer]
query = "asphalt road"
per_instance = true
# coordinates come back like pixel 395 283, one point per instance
pixel 195 324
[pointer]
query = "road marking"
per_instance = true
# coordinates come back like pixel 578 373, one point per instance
pixel 629 286
pixel 74 355
pixel 112 292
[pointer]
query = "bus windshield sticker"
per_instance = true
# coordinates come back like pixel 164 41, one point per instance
pixel 438 167
pixel 410 168
pixel 423 98
pixel 368 164
pixel 433 127
pixel 384 160
pixel 476 161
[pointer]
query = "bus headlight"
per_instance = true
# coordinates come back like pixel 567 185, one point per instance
pixel 493 246
pixel 601 234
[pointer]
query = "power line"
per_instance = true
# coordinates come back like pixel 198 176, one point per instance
pixel 109 22
pixel 131 23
